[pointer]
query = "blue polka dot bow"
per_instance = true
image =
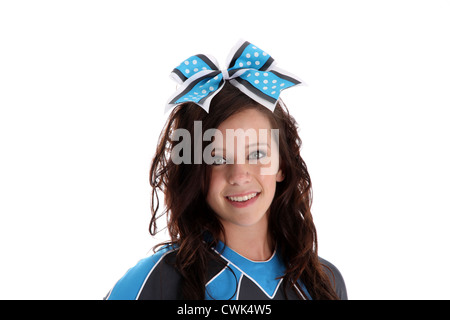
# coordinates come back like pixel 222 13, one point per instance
pixel 250 69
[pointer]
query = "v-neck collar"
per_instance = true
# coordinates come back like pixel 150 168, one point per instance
pixel 263 273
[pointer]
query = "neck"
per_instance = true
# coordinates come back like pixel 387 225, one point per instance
pixel 251 242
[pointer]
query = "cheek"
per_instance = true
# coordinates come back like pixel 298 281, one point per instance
pixel 216 182
pixel 270 183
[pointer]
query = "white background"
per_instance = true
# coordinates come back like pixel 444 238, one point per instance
pixel 83 86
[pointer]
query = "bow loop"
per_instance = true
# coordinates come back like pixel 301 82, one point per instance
pixel 249 68
pixel 192 66
pixel 248 56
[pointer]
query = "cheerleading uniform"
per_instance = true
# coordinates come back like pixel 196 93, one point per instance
pixel 234 277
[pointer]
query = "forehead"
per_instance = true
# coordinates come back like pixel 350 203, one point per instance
pixel 246 119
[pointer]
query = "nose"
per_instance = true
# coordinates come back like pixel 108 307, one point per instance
pixel 238 174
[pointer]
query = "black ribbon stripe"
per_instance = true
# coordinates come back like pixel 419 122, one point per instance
pixel 285 77
pixel 207 61
pixel 236 56
pixel 254 90
pixel 180 74
pixel 267 64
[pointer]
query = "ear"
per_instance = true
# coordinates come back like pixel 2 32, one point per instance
pixel 280 176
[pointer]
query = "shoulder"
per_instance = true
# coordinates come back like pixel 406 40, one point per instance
pixel 335 277
pixel 145 280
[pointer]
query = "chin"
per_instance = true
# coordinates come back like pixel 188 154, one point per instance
pixel 244 220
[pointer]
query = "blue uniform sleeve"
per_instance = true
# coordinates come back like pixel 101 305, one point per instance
pixel 129 286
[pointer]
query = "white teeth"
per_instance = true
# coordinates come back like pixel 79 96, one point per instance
pixel 244 198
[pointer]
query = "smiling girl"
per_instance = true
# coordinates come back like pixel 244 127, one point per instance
pixel 239 194
pixel 237 230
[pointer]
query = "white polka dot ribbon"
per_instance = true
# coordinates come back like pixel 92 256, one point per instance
pixel 250 69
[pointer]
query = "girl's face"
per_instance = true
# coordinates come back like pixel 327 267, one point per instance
pixel 241 186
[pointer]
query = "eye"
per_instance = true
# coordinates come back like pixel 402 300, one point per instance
pixel 218 161
pixel 256 155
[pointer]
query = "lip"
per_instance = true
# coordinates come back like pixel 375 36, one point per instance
pixel 243 204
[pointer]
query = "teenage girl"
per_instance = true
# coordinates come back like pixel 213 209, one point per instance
pixel 237 193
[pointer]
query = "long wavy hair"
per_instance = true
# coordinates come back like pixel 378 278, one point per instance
pixel 190 219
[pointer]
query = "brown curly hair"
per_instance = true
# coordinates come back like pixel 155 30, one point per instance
pixel 190 219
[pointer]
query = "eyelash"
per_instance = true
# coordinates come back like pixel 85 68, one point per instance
pixel 262 154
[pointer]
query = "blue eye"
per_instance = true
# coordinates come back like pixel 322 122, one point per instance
pixel 256 155
pixel 218 161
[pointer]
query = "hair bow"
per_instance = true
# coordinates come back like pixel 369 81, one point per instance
pixel 249 68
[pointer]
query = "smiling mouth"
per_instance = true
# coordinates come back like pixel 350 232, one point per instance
pixel 243 198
